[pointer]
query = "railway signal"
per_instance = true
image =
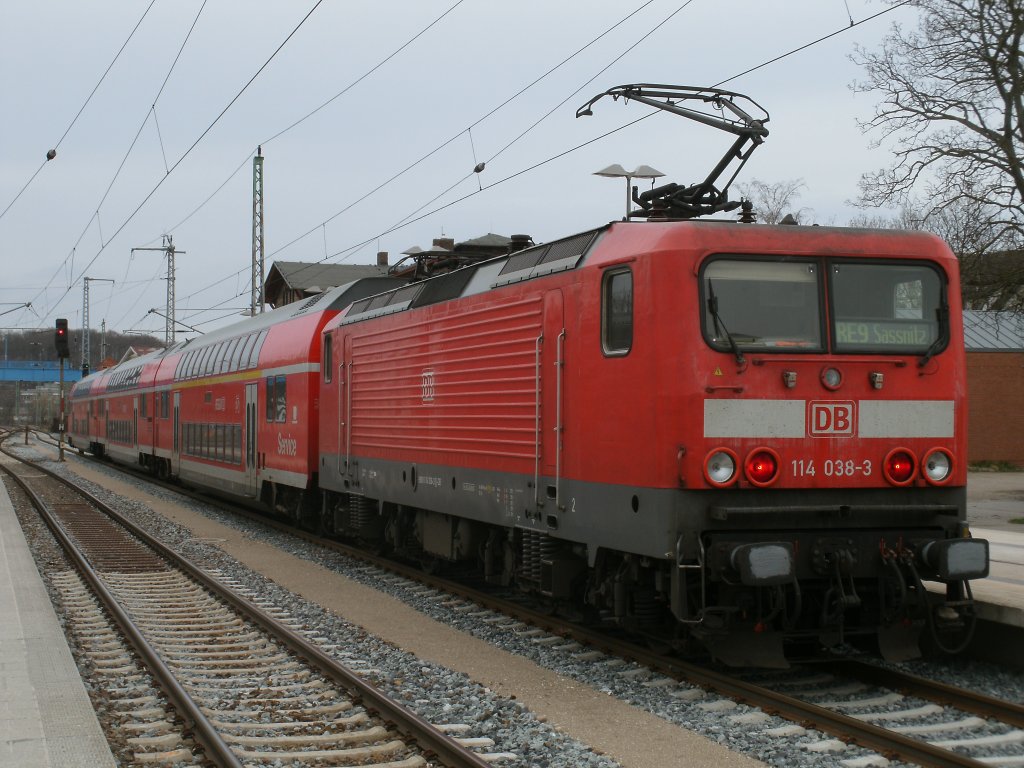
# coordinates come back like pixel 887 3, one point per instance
pixel 60 338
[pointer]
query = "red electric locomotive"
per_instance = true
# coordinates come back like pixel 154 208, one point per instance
pixel 758 430
pixel 743 434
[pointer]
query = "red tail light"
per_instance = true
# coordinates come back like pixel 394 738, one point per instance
pixel 900 466
pixel 762 466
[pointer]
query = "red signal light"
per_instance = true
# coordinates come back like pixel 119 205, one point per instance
pixel 762 466
pixel 900 466
pixel 60 338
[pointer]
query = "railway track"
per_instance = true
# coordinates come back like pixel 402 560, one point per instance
pixel 200 672
pixel 896 715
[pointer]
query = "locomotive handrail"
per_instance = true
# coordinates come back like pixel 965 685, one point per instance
pixel 537 436
pixel 559 366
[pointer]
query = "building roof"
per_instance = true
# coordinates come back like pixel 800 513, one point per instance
pixel 490 240
pixel 314 278
pixel 993 331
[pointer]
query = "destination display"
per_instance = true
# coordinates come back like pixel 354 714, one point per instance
pixel 895 333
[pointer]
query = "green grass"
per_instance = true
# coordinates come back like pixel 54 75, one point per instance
pixel 1017 520
pixel 993 466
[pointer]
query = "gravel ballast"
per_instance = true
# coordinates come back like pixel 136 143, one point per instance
pixel 616 708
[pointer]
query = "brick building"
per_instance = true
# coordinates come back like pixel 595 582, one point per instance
pixel 995 386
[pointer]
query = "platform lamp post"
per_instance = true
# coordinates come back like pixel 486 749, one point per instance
pixel 616 171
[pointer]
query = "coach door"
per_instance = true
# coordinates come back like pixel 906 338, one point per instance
pixel 251 453
pixel 345 406
pixel 135 422
pixel 176 442
pixel 551 362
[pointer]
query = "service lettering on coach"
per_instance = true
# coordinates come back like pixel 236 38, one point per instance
pixel 287 446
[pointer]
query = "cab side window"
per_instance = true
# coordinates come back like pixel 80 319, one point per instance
pixel 617 312
pixel 328 358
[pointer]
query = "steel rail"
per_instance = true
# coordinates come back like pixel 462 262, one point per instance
pixel 844 727
pixel 214 747
pixel 965 699
pixel 431 740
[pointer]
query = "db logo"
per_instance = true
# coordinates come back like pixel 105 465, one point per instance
pixel 427 386
pixel 831 419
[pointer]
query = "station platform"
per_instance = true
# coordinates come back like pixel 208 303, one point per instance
pixel 1000 597
pixel 46 719
pixel 994 501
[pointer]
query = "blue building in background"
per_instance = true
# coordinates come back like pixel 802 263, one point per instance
pixel 30 392
pixel 37 371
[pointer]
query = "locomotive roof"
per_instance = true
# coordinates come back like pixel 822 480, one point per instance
pixel 545 259
pixel 570 252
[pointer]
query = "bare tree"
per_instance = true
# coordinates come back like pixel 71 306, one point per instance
pixel 773 201
pixel 953 103
pixel 989 280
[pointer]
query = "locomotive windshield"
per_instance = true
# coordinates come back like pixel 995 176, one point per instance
pixel 886 307
pixel 762 305
pixel 875 308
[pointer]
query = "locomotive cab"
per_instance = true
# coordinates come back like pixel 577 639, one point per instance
pixel 826 483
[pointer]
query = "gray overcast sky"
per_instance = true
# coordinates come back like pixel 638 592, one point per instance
pixel 319 174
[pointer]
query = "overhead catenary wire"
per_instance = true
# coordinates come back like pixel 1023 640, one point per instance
pixel 314 111
pixel 322 225
pixel 413 219
pixel 194 144
pixel 472 125
pixel 82 108
pixel 151 111
pixel 532 167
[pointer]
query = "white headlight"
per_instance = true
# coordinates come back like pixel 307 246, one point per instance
pixel 937 466
pixel 721 467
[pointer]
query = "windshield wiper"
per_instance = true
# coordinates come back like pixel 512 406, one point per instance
pixel 720 329
pixel 942 315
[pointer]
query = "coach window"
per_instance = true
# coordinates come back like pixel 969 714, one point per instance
pixel 235 353
pixel 165 402
pixel 142 405
pixel 211 360
pixel 271 400
pixel 282 401
pixel 328 358
pixel 617 312
pixel 254 351
pixel 201 355
pixel 245 349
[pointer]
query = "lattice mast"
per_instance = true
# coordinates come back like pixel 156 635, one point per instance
pixel 86 352
pixel 257 299
pixel 170 251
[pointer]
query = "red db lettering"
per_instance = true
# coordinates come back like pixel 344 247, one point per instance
pixel 831 418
